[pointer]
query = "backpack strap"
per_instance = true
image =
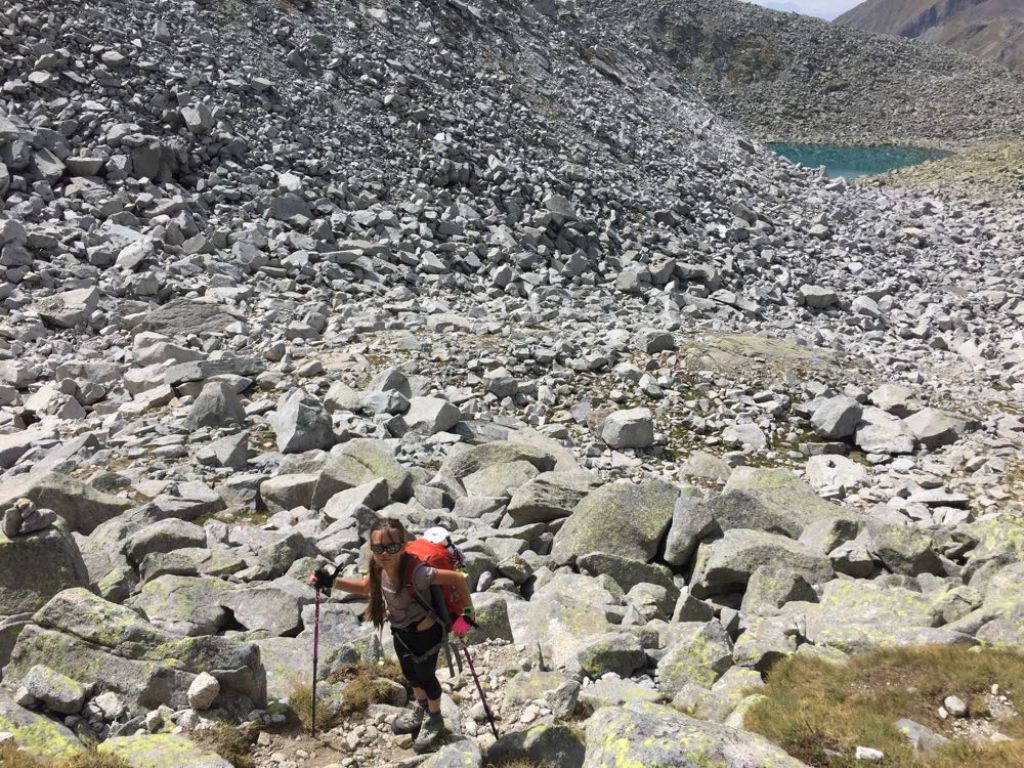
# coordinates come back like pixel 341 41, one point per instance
pixel 435 607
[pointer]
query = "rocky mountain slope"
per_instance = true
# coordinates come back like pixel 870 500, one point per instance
pixel 270 269
pixel 989 29
pixel 788 77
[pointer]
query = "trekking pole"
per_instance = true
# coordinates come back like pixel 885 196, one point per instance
pixel 480 690
pixel 316 652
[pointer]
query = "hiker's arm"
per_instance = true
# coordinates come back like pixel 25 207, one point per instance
pixel 355 586
pixel 455 579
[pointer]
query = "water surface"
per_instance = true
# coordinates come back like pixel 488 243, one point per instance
pixel 851 162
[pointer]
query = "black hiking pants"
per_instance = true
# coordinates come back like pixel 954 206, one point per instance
pixel 417 653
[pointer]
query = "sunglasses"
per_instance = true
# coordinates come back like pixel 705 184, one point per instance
pixel 391 549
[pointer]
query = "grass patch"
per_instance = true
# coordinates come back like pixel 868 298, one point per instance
pixel 229 742
pixel 364 684
pixel 12 757
pixel 301 704
pixel 814 707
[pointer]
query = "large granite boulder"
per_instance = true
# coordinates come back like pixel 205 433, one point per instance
pixel 81 505
pixel 654 736
pixel 94 642
pixel 357 463
pixel 460 464
pixel 629 520
pixel 550 496
pixel 725 565
pixel 772 500
pixel 39 735
pixel 699 653
pixel 36 566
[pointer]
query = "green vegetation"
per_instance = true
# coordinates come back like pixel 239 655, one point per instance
pixel 231 743
pixel 365 684
pixel 10 757
pixel 815 709
pixel 301 703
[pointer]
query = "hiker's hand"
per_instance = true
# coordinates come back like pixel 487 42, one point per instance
pixel 321 579
pixel 465 622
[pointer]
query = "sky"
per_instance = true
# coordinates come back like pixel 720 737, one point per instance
pixel 826 9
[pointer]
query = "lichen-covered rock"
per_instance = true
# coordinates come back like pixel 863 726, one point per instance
pixel 36 566
pixel 652 736
pixel 699 654
pixel 162 750
pixel 629 520
pixel 461 464
pixel 462 754
pixel 550 496
pixel 57 692
pixel 771 500
pixel 540 745
pixel 38 735
pixel 725 565
pixel 499 480
pixel 185 605
pixel 617 652
pixel 81 505
pixel 904 549
pixel 357 463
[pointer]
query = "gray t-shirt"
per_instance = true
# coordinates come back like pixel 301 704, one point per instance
pixel 402 609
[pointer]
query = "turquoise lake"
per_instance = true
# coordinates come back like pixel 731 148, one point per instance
pixel 851 162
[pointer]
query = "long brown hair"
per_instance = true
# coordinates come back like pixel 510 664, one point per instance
pixel 375 610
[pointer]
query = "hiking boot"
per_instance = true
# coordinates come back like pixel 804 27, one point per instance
pixel 408 722
pixel 430 735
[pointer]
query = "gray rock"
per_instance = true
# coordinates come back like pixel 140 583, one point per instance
pixel 163 536
pixel 68 309
pixel 36 566
pixel 935 428
pixel 770 587
pixel 698 654
pixel 817 297
pixel 654 735
pixel 80 505
pixel 630 520
pixel 55 691
pixel 882 432
pixel 922 739
pixel 357 463
pixel 218 405
pixel 430 415
pixel 554 744
pixel 836 417
pixel 550 496
pixel 302 424
pixel 633 428
pixel 725 565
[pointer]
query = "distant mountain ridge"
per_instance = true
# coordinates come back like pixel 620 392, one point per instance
pixel 990 29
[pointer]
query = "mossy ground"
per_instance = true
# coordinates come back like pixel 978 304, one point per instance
pixel 301 704
pixel 229 742
pixel 363 686
pixel 813 707
pixel 993 170
pixel 90 758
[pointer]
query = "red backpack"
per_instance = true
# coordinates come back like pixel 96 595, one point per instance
pixel 437 552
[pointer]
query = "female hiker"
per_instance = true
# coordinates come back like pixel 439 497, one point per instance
pixel 399 589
